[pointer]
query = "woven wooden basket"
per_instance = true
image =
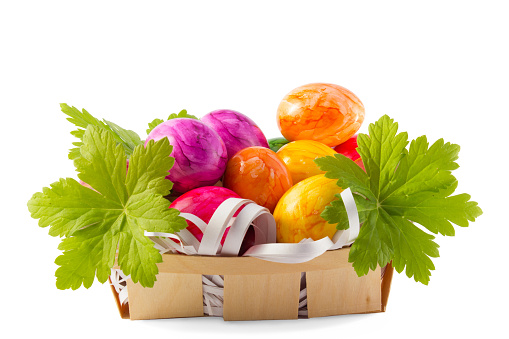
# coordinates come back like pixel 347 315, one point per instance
pixel 256 289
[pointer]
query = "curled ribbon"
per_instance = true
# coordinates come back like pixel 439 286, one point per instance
pixel 264 224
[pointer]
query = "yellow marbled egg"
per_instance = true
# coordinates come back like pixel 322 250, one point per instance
pixel 298 212
pixel 299 157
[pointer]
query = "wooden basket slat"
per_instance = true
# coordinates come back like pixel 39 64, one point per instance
pixel 261 296
pixel 341 291
pixel 173 296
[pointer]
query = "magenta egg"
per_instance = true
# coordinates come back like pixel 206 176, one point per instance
pixel 199 152
pixel 237 130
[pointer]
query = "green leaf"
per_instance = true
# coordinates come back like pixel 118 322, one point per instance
pixel 152 213
pixel 335 213
pixel 107 175
pixel 68 206
pixel 276 143
pixel 147 166
pixel 182 114
pixel 74 153
pixel 95 223
pixel 89 252
pixel 400 189
pixel 137 255
pixel 435 212
pixel 348 173
pixel 128 139
pixel 373 246
pixel 412 250
pixel 154 124
pixel 80 119
pixel 383 149
pixel 424 168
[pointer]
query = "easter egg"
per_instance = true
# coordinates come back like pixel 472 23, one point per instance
pixel 298 212
pixel 203 202
pixel 349 150
pixel 237 130
pixel 299 157
pixel 327 113
pixel 360 163
pixel 199 152
pixel 257 173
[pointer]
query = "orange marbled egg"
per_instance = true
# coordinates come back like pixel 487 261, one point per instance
pixel 327 113
pixel 298 212
pixel 257 173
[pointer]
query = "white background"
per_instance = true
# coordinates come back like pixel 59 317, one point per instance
pixel 439 68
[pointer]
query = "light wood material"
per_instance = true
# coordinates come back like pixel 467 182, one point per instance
pixel 341 291
pixel 173 296
pixel 261 296
pixel 123 310
pixel 386 285
pixel 190 264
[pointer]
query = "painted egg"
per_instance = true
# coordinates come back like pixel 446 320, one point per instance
pixel 327 113
pixel 203 202
pixel 237 130
pixel 299 157
pixel 258 174
pixel 349 150
pixel 199 152
pixel 298 212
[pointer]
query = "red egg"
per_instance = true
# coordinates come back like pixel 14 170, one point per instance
pixel 203 202
pixel 349 150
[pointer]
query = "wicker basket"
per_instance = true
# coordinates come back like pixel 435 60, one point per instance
pixel 256 289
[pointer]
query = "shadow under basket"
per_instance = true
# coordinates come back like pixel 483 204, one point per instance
pixel 256 289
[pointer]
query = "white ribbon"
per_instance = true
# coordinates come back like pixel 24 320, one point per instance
pixel 264 224
pixel 213 293
pixel 119 282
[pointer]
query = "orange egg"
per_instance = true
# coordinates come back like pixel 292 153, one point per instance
pixel 327 113
pixel 298 212
pixel 299 157
pixel 257 173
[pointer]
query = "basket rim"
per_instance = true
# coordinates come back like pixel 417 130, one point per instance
pixel 216 265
